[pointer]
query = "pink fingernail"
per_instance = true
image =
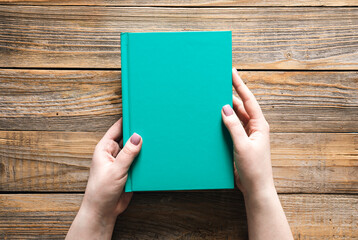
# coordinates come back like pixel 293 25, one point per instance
pixel 227 110
pixel 135 139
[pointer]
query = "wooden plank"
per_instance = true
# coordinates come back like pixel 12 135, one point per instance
pixel 64 100
pixel 179 215
pixel 307 101
pixel 48 161
pixel 315 162
pixel 59 161
pixel 88 37
pixel 59 100
pixel 182 3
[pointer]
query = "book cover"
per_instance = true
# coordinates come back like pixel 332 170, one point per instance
pixel 174 85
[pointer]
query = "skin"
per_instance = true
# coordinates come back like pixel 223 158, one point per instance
pixel 252 160
pixel 105 199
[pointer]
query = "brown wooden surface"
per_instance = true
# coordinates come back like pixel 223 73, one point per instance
pixel 62 100
pixel 181 215
pixel 88 36
pixel 51 119
pixel 181 3
pixel 59 161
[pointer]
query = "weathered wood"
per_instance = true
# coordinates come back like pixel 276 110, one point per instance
pixel 307 101
pixel 88 37
pixel 59 161
pixel 45 161
pixel 315 162
pixel 91 100
pixel 179 215
pixel 182 3
pixel 59 100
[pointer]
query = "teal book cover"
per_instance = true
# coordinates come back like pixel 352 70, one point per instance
pixel 174 85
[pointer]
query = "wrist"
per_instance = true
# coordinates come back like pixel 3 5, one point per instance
pixel 88 225
pixel 261 194
pixel 90 211
pixel 93 225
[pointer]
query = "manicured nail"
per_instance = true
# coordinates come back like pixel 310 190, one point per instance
pixel 227 110
pixel 135 139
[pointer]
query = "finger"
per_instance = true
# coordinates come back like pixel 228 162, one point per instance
pixel 124 201
pixel 234 126
pixel 240 110
pixel 111 147
pixel 114 132
pixel 130 150
pixel 251 105
pixel 109 143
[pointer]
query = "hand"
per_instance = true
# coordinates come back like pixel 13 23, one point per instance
pixel 253 172
pixel 108 174
pixel 252 161
pixel 104 198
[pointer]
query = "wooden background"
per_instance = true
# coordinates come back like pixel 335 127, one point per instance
pixel 60 89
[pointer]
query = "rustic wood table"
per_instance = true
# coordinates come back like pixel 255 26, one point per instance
pixel 60 89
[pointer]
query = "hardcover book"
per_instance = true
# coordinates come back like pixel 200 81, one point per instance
pixel 174 85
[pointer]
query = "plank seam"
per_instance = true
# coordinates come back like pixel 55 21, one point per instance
pixel 241 69
pixel 166 192
pixel 65 131
pixel 177 6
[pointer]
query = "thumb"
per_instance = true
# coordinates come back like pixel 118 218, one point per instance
pixel 130 150
pixel 234 126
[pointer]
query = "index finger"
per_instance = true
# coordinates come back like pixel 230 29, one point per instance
pixel 114 132
pixel 252 107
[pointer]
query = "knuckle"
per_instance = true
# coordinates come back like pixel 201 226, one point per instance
pixel 128 150
pixel 111 145
pixel 108 146
pixel 233 123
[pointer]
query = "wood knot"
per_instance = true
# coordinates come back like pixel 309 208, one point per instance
pixel 288 55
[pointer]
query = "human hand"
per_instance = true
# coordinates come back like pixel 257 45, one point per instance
pixel 108 175
pixel 252 160
pixel 104 198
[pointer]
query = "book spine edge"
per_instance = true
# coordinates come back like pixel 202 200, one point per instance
pixel 232 186
pixel 125 107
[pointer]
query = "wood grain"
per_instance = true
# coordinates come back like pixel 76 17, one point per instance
pixel 59 161
pixel 182 3
pixel 50 120
pixel 88 37
pixel 63 100
pixel 45 161
pixel 180 215
pixel 59 100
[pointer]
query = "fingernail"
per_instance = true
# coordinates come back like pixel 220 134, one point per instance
pixel 135 139
pixel 227 110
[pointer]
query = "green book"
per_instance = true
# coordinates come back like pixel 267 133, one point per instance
pixel 174 85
